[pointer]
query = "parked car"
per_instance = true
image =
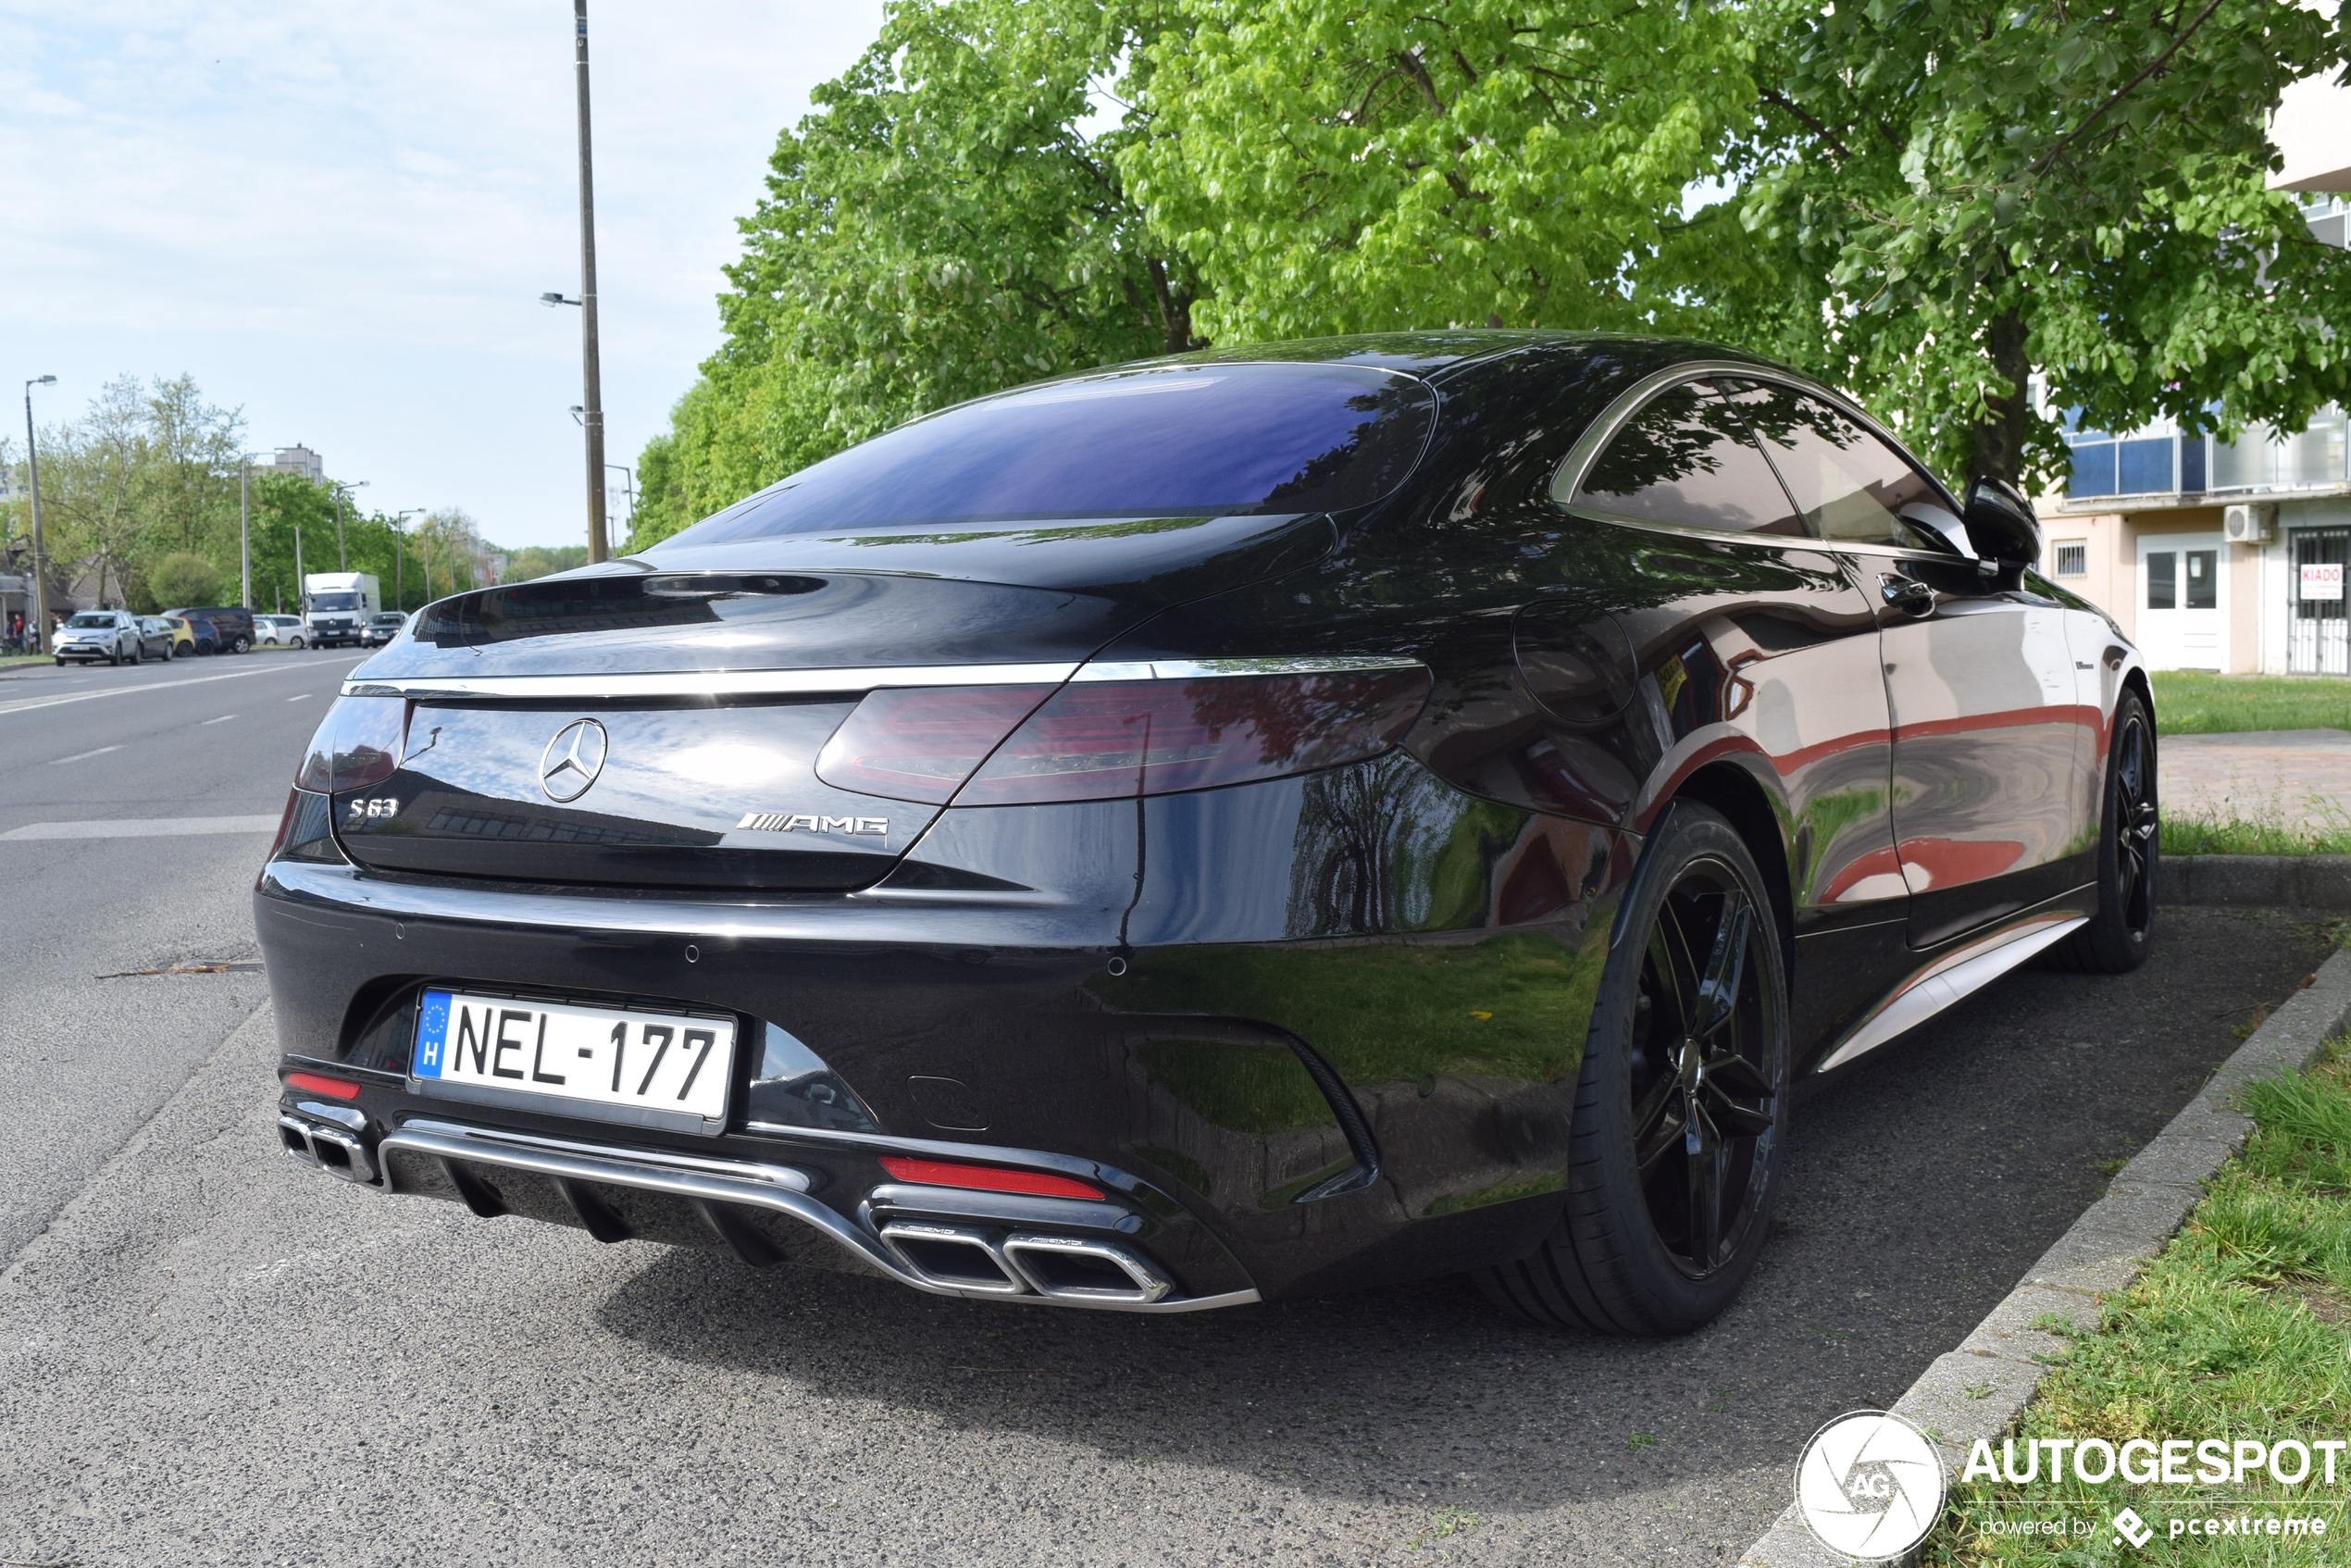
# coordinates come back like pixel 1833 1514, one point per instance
pixel 157 637
pixel 184 637
pixel 91 635
pixel 283 632
pixel 232 624
pixel 1227 827
pixel 382 628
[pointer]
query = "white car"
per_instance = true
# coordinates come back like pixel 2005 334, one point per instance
pixel 91 635
pixel 284 632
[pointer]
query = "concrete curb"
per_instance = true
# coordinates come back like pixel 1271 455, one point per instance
pixel 2276 881
pixel 1980 1388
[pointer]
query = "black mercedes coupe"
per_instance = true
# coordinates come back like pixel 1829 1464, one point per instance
pixel 1235 825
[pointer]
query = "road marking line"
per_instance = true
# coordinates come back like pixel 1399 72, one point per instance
pixel 299 697
pixel 27 704
pixel 145 828
pixel 83 756
pixel 222 719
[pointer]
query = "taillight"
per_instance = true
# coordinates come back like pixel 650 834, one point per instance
pixel 312 1083
pixel 1104 740
pixel 921 743
pixel 985 1178
pixel 358 743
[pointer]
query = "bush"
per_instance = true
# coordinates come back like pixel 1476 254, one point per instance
pixel 182 579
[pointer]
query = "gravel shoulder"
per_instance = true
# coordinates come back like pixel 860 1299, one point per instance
pixel 212 1355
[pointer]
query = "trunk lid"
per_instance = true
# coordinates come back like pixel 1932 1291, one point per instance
pixel 657 722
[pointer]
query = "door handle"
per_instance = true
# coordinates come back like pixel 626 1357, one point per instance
pixel 1906 595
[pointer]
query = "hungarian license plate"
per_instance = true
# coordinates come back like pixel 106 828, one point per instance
pixel 610 1063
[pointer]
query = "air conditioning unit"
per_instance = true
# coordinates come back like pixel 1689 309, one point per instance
pixel 2250 522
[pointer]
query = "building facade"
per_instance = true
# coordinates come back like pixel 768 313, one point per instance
pixel 2215 554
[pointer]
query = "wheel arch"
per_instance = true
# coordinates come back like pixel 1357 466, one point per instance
pixel 1727 788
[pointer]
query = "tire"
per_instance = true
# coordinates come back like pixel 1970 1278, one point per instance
pixel 298 643
pixel 61 662
pixel 1634 1253
pixel 2119 935
pixel 242 645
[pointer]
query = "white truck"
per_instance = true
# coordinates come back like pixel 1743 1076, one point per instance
pixel 335 605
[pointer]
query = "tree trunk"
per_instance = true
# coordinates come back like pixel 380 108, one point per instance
pixel 1998 436
pixel 1174 310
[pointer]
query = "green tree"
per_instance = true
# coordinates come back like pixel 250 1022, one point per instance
pixel 951 220
pixel 540 560
pixel 91 475
pixel 1377 163
pixel 180 579
pixel 1946 194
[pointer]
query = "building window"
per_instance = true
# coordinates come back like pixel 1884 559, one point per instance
pixel 2073 558
pixel 2204 580
pixel 2163 590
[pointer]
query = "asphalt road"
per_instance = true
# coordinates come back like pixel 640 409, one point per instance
pixel 213 1355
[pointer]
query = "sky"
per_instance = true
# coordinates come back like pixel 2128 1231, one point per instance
pixel 339 219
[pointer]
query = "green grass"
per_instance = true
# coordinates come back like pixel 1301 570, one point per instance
pixel 2193 835
pixel 2241 1328
pixel 2192 703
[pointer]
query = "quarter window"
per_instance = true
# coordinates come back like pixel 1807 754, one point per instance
pixel 1684 458
pixel 2073 558
pixel 1852 487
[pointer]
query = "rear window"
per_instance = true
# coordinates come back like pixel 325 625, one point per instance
pixel 1193 440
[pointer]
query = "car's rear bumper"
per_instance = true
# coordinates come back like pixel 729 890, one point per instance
pixel 1272 1114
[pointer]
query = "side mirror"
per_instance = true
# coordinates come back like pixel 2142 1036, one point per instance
pixel 2001 524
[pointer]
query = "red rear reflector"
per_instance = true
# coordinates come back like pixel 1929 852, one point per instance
pixel 334 1089
pixel 985 1178
pixel 1108 740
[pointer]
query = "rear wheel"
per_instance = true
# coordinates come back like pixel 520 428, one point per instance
pixel 242 645
pixel 2117 937
pixel 300 643
pixel 1681 1111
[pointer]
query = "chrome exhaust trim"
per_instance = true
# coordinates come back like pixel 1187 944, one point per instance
pixel 931 1250
pixel 1037 1256
pixel 326 1149
pixel 777 1189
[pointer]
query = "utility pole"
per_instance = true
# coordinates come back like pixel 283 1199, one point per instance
pixel 343 493
pixel 598 547
pixel 32 478
pixel 245 526
pixel 302 585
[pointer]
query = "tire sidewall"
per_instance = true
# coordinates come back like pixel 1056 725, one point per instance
pixel 1670 1300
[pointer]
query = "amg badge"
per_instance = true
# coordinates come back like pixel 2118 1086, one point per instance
pixel 779 822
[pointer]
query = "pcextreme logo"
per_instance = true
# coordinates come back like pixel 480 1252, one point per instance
pixel 1869 1485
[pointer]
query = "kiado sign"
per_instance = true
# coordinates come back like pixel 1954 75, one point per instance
pixel 2322 580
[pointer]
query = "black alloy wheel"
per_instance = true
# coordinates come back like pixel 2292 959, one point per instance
pixel 1681 1109
pixel 2117 937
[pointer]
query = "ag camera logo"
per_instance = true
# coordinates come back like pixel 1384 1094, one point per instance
pixel 1868 1485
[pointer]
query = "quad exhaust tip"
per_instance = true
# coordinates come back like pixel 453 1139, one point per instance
pixel 337 1152
pixel 1060 1268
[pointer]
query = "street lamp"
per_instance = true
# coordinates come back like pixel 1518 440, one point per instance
pixel 591 375
pixel 32 478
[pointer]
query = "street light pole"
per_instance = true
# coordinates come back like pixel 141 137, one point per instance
pixel 400 560
pixel 343 493
pixel 591 375
pixel 32 478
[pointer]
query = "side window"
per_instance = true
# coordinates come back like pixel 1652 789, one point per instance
pixel 1684 458
pixel 1852 487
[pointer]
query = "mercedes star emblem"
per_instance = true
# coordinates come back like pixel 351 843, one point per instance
pixel 572 760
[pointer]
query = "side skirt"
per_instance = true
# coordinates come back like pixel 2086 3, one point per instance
pixel 1950 976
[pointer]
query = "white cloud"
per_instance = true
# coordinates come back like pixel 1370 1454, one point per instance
pixel 340 218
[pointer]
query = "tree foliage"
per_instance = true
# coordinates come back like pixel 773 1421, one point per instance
pixel 1949 193
pixel 951 219
pixel 1382 164
pixel 1920 201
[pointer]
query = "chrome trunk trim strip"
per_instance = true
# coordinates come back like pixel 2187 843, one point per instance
pixel 713 684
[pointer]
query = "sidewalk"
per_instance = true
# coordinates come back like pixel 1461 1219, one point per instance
pixel 2292 779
